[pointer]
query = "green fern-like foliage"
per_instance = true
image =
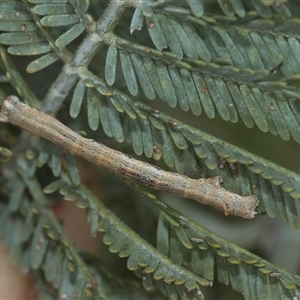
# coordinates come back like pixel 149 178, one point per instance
pixel 230 60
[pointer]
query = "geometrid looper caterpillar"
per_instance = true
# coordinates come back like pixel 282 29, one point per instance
pixel 207 191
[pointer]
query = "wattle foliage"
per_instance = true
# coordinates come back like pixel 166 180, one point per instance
pixel 239 60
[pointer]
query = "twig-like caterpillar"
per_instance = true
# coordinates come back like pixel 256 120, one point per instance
pixel 207 191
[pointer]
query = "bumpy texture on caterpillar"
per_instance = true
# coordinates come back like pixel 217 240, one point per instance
pixel 207 191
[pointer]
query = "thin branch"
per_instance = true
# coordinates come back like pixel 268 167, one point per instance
pixel 206 191
pixel 84 54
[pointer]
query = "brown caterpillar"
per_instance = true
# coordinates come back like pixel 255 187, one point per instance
pixel 207 191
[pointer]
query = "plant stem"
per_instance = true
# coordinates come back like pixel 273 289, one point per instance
pixel 84 54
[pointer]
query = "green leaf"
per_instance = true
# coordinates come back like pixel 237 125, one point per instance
pixel 254 109
pixel 81 6
pixel 196 40
pixel 38 247
pixel 16 196
pixel 54 186
pixel 234 53
pixel 196 7
pixel 31 49
pixel 178 87
pixel 132 262
pixel 184 41
pixel 56 160
pixel 69 35
pixel 204 95
pixel 77 99
pixel 277 117
pixel 166 84
pixel 167 149
pixel 72 169
pixel 238 7
pixel 170 36
pixel 288 54
pixel 137 20
pixel 20 38
pixel 42 62
pixel 59 20
pixel 115 121
pixel 177 137
pixel 226 7
pixel 216 97
pixel 110 65
pixel 124 106
pixel 190 92
pixel 183 238
pixel 147 138
pixel 94 220
pixel 155 32
pixel 92 108
pixel 44 152
pixel 142 76
pixel 129 71
pixel 118 105
pixel 116 245
pixel 104 116
pixel 153 76
pixel 55 9
pixel 17 26
pixel 162 242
